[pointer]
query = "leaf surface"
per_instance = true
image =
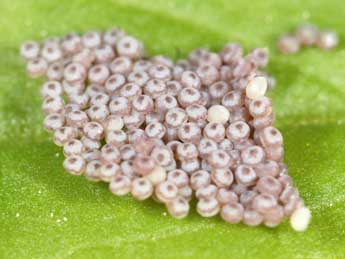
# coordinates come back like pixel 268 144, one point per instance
pixel 46 213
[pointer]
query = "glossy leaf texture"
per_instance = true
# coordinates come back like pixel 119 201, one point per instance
pixel 46 213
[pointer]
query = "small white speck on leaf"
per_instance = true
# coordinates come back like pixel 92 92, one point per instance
pixel 17 214
pixel 305 15
pixel 171 4
pixel 43 33
pixel 28 23
pixel 268 18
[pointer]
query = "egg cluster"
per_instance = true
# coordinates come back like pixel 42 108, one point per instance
pixel 152 127
pixel 307 35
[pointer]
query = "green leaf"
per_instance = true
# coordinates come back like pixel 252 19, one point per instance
pixel 46 213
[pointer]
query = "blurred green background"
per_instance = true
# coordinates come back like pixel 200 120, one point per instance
pixel 46 213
